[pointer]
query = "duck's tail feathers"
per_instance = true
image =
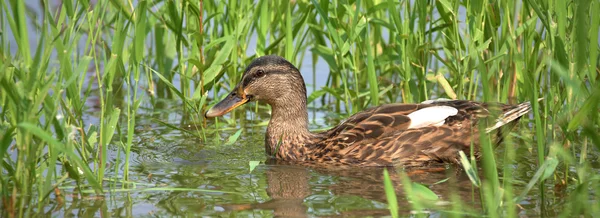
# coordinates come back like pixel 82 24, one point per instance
pixel 510 115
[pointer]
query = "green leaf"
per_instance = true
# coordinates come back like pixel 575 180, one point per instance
pixel 5 141
pixel 545 171
pixel 140 32
pixel 211 73
pixel 314 95
pixel 582 115
pixel 371 73
pixel 168 83
pixel 233 138
pixel 469 169
pixel 109 129
pixel 252 164
pixel 423 192
pixel 390 193
pixel 550 168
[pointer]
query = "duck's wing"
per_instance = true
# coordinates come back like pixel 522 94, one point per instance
pixel 412 133
pixel 380 122
pixel 471 112
pixel 412 147
pixel 371 124
pixel 387 120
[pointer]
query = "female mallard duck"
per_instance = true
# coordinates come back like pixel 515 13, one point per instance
pixel 405 134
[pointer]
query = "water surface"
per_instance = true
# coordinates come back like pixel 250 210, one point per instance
pixel 212 178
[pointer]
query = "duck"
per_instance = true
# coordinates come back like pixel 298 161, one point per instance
pixel 396 134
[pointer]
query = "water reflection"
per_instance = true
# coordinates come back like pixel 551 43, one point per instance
pixel 273 189
pixel 163 157
pixel 298 191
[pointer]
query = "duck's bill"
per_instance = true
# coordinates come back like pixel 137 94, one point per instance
pixel 232 101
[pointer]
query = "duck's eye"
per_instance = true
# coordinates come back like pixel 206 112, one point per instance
pixel 260 73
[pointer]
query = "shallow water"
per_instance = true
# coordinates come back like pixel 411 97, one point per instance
pixel 214 179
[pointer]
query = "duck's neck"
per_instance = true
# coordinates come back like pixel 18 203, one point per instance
pixel 287 131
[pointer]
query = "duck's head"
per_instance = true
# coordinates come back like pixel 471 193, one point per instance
pixel 270 79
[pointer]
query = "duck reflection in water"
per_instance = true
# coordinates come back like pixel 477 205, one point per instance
pixel 290 185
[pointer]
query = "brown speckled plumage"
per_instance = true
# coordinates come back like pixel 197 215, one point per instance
pixel 379 136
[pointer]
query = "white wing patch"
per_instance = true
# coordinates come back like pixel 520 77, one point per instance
pixel 430 116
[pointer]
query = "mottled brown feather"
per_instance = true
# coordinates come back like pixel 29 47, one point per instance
pixel 380 136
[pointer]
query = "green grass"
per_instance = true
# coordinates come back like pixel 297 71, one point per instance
pixel 376 52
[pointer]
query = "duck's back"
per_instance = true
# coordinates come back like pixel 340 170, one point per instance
pixel 410 134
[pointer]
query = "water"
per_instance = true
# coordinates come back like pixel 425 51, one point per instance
pixel 214 179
